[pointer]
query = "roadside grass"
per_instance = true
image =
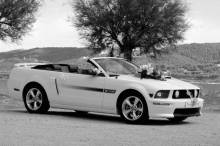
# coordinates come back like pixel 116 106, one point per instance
pixel 6 102
pixel 211 94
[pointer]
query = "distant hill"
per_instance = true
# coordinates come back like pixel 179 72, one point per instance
pixel 203 53
pixel 49 54
pixel 191 61
pixel 52 54
pixel 188 56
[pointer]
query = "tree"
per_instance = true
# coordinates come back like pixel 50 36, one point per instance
pixel 16 18
pixel 127 24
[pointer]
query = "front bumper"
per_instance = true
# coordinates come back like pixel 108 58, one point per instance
pixel 170 108
pixel 187 112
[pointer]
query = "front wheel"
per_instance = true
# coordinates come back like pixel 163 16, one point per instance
pixel 133 109
pixel 35 99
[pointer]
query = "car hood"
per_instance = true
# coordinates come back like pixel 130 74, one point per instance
pixel 156 84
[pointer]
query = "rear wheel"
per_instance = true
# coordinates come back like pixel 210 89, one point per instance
pixel 133 109
pixel 35 99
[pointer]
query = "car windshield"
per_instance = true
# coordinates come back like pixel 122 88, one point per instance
pixel 117 66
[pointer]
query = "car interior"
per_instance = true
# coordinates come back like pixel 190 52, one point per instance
pixel 63 68
pixel 58 67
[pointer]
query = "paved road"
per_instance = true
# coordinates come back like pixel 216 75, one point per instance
pixel 59 127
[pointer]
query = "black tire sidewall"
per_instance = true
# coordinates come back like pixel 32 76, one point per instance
pixel 144 117
pixel 81 112
pixel 177 119
pixel 45 103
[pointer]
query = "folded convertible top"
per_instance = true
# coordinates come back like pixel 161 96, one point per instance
pixel 27 64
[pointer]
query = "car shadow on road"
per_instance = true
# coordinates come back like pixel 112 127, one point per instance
pixel 103 118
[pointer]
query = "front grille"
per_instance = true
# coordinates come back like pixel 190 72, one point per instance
pixel 187 112
pixel 184 95
pixel 192 93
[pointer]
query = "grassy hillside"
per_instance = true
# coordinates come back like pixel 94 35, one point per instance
pixel 194 61
pixel 193 54
pixel 203 53
pixel 188 60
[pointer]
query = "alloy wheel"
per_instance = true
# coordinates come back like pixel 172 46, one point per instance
pixel 132 108
pixel 34 99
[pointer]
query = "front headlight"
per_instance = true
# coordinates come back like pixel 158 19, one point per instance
pixel 162 94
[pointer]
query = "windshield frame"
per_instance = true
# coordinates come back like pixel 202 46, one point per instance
pixel 94 60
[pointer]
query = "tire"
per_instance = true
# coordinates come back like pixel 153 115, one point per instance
pixel 35 99
pixel 81 112
pixel 177 119
pixel 133 108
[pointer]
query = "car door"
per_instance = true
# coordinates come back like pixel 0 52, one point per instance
pixel 81 89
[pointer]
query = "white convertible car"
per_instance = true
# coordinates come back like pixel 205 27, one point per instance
pixel 104 85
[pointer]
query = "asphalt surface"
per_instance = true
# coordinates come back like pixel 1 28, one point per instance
pixel 67 128
pixel 60 127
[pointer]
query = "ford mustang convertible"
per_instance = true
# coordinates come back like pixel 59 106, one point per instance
pixel 105 85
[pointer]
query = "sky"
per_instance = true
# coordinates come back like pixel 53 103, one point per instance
pixel 53 27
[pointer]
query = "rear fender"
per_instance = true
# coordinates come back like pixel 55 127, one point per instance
pixel 44 82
